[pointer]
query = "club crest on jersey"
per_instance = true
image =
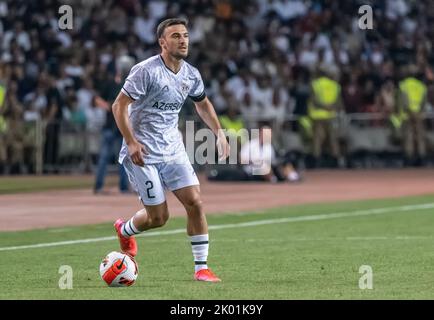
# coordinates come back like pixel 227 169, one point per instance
pixel 185 87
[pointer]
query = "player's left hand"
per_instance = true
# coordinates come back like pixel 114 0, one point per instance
pixel 223 147
pixel 137 151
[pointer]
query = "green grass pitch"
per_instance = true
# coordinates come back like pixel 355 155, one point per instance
pixel 312 258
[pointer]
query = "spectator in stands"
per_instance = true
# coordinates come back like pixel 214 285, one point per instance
pixel 250 112
pixel 14 139
pixel 233 123
pixel 386 100
pixel 73 114
pixel 352 94
pixel 411 104
pixel 278 109
pixel 111 137
pixel 324 104
pixel 259 156
pixel 20 139
pixel 237 43
pixel 300 91
pixel 3 123
pixel 262 95
pixel 52 118
pixel 258 162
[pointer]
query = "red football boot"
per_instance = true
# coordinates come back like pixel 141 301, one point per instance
pixel 206 275
pixel 128 245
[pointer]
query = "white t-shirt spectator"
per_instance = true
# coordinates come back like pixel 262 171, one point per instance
pixel 275 112
pixel 250 112
pixel 64 38
pixel 396 9
pixel 74 70
pixel 257 159
pixel 281 42
pixel 196 32
pixel 3 9
pixel 329 57
pixel 308 58
pixel 376 56
pixel 215 90
pixel 63 83
pixel 238 87
pixel 144 29
pixel 37 99
pixel 262 98
pixel 157 9
pixel 322 42
pixel 22 39
pixel 289 9
pixel 84 98
pixel 95 118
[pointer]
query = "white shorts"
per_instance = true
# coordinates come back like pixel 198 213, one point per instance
pixel 151 180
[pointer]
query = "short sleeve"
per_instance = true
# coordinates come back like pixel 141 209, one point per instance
pixel 136 83
pixel 197 92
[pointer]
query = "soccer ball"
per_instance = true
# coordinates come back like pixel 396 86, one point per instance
pixel 118 270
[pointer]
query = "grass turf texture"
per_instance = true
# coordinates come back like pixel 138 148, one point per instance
pixel 298 260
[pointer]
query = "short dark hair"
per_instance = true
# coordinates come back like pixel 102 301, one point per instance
pixel 169 22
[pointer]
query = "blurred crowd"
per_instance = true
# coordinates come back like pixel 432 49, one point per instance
pixel 257 58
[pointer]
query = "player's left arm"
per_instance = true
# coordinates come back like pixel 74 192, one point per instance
pixel 206 112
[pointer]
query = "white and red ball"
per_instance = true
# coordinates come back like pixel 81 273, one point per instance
pixel 118 270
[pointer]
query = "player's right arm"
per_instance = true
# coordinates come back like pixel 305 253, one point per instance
pixel 120 112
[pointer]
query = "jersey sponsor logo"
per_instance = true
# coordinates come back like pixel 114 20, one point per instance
pixel 164 106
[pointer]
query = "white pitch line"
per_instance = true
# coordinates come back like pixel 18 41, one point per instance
pixel 317 217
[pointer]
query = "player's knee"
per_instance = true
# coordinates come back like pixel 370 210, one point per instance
pixel 159 221
pixel 194 202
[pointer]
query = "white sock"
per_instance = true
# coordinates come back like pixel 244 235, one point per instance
pixel 129 229
pixel 199 246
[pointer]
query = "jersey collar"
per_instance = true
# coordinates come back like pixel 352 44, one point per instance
pixel 179 71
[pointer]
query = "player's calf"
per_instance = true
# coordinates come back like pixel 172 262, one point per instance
pixel 159 221
pixel 148 218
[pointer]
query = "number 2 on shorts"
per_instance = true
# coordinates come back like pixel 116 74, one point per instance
pixel 150 185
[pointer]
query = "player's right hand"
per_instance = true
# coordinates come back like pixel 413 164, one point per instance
pixel 137 151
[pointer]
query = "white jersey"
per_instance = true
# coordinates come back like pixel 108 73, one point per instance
pixel 158 95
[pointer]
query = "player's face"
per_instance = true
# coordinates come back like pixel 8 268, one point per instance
pixel 175 41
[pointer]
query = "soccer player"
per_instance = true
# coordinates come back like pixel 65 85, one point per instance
pixel 153 154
